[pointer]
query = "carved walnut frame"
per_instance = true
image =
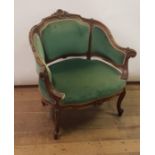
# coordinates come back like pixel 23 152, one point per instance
pixel 58 96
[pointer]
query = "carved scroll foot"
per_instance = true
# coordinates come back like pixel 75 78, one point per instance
pixel 119 109
pixel 56 119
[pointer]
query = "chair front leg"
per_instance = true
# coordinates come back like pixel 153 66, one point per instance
pixel 56 120
pixel 119 101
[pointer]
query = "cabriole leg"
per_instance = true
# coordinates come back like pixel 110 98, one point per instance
pixel 120 98
pixel 56 119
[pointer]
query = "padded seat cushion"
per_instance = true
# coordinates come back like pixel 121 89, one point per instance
pixel 84 80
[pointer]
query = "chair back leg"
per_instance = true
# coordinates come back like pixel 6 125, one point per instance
pixel 56 120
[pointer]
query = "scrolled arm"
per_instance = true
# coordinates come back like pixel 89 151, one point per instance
pixel 45 75
pixel 42 68
pixel 129 53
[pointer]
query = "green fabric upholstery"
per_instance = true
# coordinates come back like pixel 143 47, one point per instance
pixel 84 80
pixel 65 37
pixel 101 45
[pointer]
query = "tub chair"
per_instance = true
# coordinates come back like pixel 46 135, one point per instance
pixel 78 63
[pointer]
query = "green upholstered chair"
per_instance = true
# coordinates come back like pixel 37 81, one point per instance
pixel 78 63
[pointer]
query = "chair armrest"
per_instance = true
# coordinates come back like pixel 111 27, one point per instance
pixel 43 70
pixel 128 53
pixel 46 76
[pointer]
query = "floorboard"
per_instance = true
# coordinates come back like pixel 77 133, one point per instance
pixel 93 131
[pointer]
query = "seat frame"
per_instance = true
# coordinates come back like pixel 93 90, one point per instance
pixel 58 96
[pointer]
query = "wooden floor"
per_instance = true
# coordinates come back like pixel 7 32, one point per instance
pixel 91 131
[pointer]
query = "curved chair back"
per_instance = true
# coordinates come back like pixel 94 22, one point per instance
pixel 63 34
pixel 65 37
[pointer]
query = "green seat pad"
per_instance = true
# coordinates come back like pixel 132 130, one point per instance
pixel 84 80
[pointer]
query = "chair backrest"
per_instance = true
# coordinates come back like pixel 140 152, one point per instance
pixel 63 34
pixel 65 37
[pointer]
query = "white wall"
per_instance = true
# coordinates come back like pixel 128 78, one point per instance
pixel 121 16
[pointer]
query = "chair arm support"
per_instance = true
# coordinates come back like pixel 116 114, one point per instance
pixel 53 93
pixel 129 53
